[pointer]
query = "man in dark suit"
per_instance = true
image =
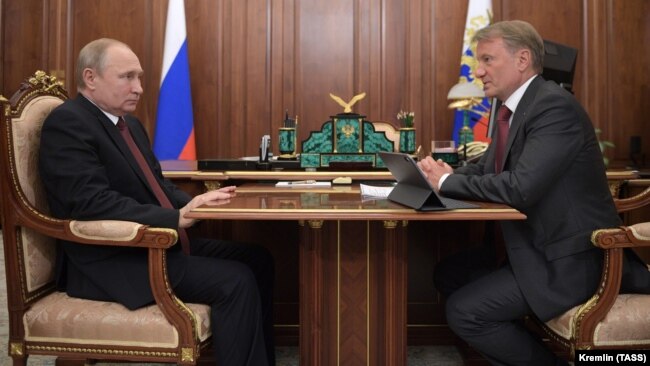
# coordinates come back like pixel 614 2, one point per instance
pixel 552 170
pixel 90 172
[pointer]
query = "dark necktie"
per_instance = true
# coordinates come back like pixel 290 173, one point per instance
pixel 153 183
pixel 503 118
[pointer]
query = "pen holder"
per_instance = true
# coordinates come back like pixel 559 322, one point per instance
pixel 287 141
pixel 407 140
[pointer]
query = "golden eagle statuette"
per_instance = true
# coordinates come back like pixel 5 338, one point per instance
pixel 347 106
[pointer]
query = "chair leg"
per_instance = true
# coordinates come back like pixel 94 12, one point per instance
pixel 19 361
pixel 206 359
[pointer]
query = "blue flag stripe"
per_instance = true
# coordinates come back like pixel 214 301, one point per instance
pixel 174 114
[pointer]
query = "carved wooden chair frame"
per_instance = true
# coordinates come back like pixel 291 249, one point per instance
pixel 588 322
pixel 24 218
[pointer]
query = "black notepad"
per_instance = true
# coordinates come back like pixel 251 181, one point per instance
pixel 413 189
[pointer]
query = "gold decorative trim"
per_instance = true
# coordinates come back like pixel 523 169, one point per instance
pixel 585 308
pixel 335 189
pixel 16 348
pixel 563 342
pixel 42 83
pixel 47 83
pixel 187 354
pixel 212 185
pixel 621 174
pixel 342 210
pixel 180 304
pixel 405 223
pixel 303 173
pixel 315 224
pixel 302 213
pixel 368 289
pixel 102 351
pixel 390 224
pixel 53 88
pixel 614 188
pixel 44 289
pixel 607 241
pixel 338 292
pixel 580 314
pixel 179 173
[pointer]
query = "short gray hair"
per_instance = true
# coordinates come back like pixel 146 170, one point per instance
pixel 93 55
pixel 516 35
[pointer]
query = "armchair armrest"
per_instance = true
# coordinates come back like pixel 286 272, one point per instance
pixel 123 233
pixel 634 202
pixel 96 232
pixel 127 233
pixel 637 235
pixel 612 241
pixel 120 233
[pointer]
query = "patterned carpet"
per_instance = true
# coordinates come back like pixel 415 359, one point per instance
pixel 286 356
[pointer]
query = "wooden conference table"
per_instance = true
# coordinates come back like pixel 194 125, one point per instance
pixel 353 268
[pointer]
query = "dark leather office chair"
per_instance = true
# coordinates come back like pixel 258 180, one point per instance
pixel 43 321
pixel 609 320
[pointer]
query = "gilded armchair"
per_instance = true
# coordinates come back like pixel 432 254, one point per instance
pixel 43 321
pixel 609 320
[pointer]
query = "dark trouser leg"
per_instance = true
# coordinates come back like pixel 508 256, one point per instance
pixel 255 276
pixel 487 314
pixel 461 268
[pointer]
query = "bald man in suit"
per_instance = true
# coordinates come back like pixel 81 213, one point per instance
pixel 552 170
pixel 90 173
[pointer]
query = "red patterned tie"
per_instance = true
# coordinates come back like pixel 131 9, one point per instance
pixel 503 119
pixel 153 183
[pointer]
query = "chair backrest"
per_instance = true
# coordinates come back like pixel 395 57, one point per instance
pixel 30 256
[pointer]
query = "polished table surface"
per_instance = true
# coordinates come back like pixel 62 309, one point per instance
pixel 258 201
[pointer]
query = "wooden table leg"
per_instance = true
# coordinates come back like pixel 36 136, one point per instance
pixel 353 281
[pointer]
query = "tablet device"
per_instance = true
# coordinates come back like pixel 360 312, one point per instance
pixel 413 189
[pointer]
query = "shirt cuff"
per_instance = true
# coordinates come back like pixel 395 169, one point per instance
pixel 442 179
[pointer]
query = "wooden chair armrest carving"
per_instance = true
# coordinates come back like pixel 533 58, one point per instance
pixel 634 202
pixel 120 233
pixel 126 233
pixel 590 314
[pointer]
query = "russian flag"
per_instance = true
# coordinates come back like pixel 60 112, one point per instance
pixel 479 15
pixel 174 138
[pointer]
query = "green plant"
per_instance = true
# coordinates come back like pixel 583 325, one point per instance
pixel 603 145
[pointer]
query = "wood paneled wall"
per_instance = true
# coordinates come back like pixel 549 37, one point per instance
pixel 252 59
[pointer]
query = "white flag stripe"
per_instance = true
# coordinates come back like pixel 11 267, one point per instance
pixel 175 34
pixel 476 8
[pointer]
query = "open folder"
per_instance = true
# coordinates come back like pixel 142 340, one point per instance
pixel 413 189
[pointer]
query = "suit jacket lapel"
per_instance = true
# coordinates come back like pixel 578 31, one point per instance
pixel 114 134
pixel 522 111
